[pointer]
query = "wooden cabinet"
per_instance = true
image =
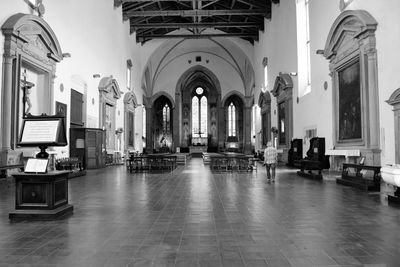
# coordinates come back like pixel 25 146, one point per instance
pixel 88 144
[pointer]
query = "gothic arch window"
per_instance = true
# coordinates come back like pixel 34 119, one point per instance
pixel 144 126
pixel 351 51
pixel 195 116
pixel 166 119
pixel 231 119
pixel 160 116
pixel 199 116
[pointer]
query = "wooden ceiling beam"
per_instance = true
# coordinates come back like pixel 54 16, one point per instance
pixel 197 25
pixel 210 3
pixel 198 12
pixel 254 3
pixel 138 1
pixel 195 36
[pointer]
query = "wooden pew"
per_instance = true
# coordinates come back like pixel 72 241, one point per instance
pixel 358 180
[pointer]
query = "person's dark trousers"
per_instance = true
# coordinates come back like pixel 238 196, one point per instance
pixel 272 167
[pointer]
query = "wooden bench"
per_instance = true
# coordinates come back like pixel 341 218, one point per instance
pixel 151 163
pixel 3 169
pixel 308 166
pixel 357 178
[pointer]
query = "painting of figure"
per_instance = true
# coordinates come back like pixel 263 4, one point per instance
pixel 349 103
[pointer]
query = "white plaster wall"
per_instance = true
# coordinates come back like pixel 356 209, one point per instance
pixel 386 13
pixel 98 39
pixel 322 15
pixel 278 44
pixel 315 108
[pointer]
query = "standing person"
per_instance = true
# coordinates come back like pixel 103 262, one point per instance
pixel 270 159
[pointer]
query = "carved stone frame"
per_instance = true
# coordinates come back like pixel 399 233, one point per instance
pixel 29 40
pixel 394 101
pixel 130 104
pixel 283 91
pixel 352 38
pixel 264 102
pixel 109 93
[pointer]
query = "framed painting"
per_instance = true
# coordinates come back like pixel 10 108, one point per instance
pixel 350 121
pixel 61 109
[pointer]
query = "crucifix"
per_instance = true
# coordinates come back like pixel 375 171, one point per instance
pixel 26 86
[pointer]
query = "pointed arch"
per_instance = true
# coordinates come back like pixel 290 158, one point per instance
pixel 232 93
pixel 196 73
pixel 162 93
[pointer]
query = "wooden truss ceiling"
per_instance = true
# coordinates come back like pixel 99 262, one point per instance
pixel 152 19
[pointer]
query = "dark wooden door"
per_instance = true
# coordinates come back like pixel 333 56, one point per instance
pixel 95 152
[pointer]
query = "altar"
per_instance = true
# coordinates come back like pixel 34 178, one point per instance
pixel 337 153
pixel 198 149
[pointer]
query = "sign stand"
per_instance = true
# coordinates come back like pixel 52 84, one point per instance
pixel 40 194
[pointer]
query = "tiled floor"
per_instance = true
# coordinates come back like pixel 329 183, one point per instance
pixel 193 217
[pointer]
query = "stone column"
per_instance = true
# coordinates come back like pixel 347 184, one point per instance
pixel 149 129
pixel 177 125
pixel 247 130
pixel 6 120
pixel 247 124
pixel 221 127
pixel 373 103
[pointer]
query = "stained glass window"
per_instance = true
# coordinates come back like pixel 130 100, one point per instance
pixel 203 116
pixel 166 119
pixel 232 120
pixel 199 114
pixel 195 116
pixel 199 90
pixel 144 122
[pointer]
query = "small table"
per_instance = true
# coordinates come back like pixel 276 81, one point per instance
pixel 41 196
